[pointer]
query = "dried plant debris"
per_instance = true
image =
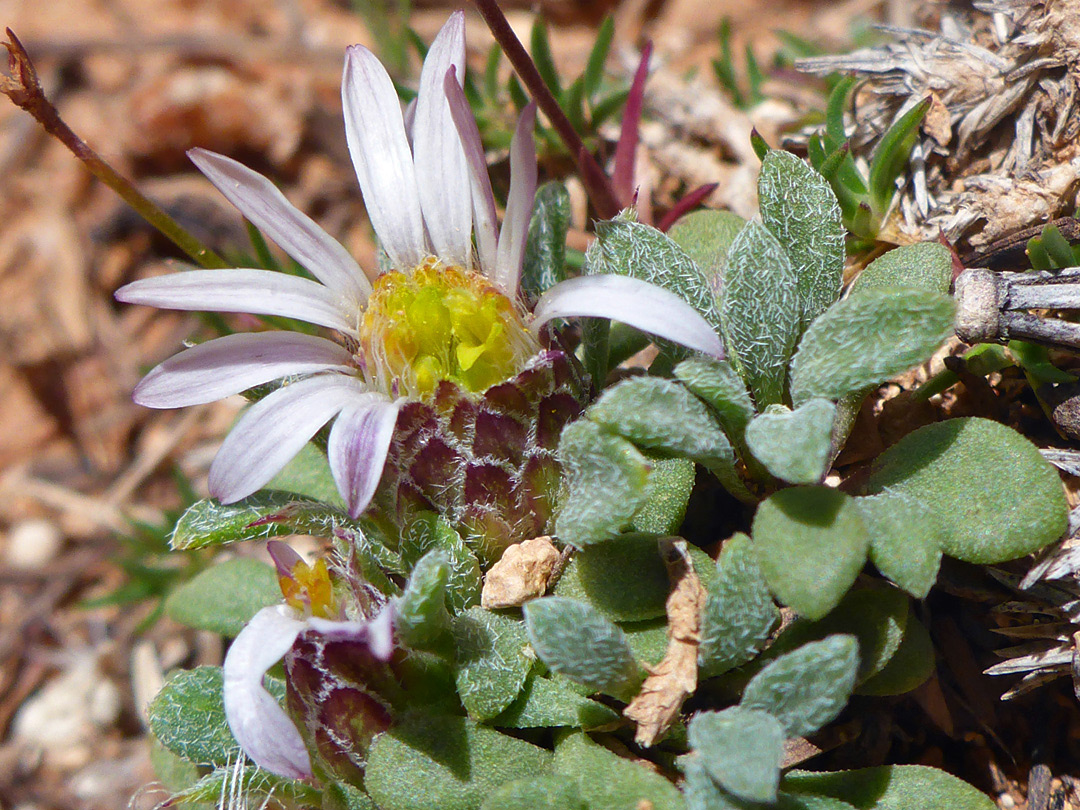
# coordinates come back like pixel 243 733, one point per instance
pixel 997 149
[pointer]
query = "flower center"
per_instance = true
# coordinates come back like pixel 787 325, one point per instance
pixel 440 323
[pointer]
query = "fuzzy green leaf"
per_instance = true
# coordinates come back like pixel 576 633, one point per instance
pixel 911 665
pixel 575 640
pixel 552 792
pixel 549 703
pixel 741 749
pixel 760 312
pixel 544 263
pixel 667 493
pixel 625 579
pixel 609 782
pixel 606 479
pixel 648 640
pixel 739 614
pixel 452 763
pixel 905 542
pixel 188 717
pixel 991 493
pixel 429 531
pixel 876 617
pixel 663 416
pixel 209 523
pixel 924 266
pixel 628 248
pixel 253 783
pixel 718 384
pixel 800 209
pixel 810 544
pixel 892 153
pixel 795 446
pixel 225 596
pixel 491 661
pixel 891 787
pixel 706 236
pixel 702 793
pixel 807 688
pixel 420 616
pixel 864 340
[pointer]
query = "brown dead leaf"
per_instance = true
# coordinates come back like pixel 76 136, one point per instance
pixel 675 677
pixel 521 574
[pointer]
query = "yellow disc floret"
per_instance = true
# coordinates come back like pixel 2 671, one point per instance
pixel 440 323
pixel 308 589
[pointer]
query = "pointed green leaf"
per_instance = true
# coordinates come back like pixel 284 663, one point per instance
pixel 891 787
pixel 491 661
pixel 905 542
pixel 575 640
pixel 739 614
pixel 452 763
pixel 225 596
pixel 760 312
pixel 991 493
pixel 800 209
pixel 308 475
pixel 924 266
pixel 544 263
pixel 892 153
pixel 741 749
pixel 807 688
pixel 864 340
pixel 251 782
pixel 609 782
pixel 540 48
pixel 594 68
pixel 810 544
pixel 795 446
pixel 606 484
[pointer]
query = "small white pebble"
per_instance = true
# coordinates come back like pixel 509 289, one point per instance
pixel 1006 802
pixel 33 544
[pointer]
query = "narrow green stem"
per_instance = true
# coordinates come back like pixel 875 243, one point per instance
pixel 593 177
pixel 24 90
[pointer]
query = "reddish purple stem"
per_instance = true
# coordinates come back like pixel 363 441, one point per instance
pixel 683 206
pixel 626 150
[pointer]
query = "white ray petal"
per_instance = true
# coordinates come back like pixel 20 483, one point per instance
pixel 260 292
pixel 357 448
pixel 485 222
pixel 378 633
pixel 631 301
pixel 234 363
pixel 519 204
pixel 380 152
pixel 260 725
pixel 274 430
pixel 298 235
pixel 445 195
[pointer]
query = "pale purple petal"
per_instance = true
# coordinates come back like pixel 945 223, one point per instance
pixel 519 204
pixel 485 222
pixel 375 131
pixel 631 301
pixel 441 170
pixel 378 633
pixel 260 725
pixel 260 292
pixel 274 430
pixel 234 363
pixel 357 448
pixel 298 235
